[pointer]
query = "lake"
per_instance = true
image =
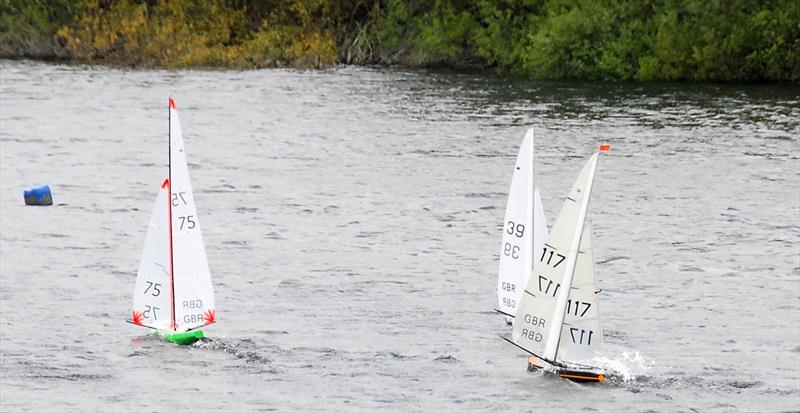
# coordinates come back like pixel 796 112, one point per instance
pixel 352 219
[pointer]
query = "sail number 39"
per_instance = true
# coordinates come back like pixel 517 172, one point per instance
pixel 517 230
pixel 511 250
pixel 514 229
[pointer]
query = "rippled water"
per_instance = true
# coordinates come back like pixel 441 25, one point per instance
pixel 352 219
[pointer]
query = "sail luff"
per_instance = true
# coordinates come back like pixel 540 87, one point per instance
pixel 554 336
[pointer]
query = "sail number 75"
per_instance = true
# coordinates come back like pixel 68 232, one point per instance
pixel 154 287
pixel 188 222
pixel 177 198
pixel 150 310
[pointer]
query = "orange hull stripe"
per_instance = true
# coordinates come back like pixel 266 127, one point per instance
pixel 595 378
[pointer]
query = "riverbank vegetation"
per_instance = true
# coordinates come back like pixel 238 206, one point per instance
pixel 667 40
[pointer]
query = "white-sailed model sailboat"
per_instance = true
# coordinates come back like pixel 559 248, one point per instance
pixel 173 292
pixel 524 232
pixel 557 319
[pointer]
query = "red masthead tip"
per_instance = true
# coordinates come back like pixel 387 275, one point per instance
pixel 172 104
pixel 605 147
pixel 165 183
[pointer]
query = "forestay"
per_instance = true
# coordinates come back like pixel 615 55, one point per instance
pixel 524 230
pixel 539 318
pixel 194 295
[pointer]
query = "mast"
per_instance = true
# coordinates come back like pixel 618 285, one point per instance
pixel 528 247
pixel 169 200
pixel 556 327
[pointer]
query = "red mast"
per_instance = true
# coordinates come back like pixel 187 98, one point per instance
pixel 173 325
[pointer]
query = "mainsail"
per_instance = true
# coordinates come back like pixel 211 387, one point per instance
pixel 524 230
pixel 174 245
pixel 540 315
pixel 194 295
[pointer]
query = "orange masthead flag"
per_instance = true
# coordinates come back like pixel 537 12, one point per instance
pixel 605 147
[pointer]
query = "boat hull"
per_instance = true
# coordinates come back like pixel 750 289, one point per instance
pixel 575 374
pixel 183 338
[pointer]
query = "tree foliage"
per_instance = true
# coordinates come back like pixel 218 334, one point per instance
pixel 670 40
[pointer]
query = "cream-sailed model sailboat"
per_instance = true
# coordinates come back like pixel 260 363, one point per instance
pixel 557 320
pixel 173 292
pixel 524 231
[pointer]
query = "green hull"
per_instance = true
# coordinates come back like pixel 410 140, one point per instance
pixel 183 337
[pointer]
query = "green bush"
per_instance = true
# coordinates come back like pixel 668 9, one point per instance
pixel 663 40
pixel 28 27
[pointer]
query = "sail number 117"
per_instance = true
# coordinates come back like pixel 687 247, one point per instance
pixel 558 257
pixel 580 339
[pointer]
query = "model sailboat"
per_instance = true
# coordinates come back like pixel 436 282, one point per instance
pixel 173 292
pixel 557 319
pixel 524 232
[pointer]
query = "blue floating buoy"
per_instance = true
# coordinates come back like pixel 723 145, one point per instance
pixel 38 195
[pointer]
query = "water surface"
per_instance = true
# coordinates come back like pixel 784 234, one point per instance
pixel 352 219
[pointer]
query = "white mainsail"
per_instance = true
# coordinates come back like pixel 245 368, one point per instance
pixel 524 230
pixel 582 335
pixel 540 315
pixel 194 295
pixel 174 246
pixel 151 298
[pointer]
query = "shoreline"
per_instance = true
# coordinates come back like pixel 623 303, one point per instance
pixel 435 69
